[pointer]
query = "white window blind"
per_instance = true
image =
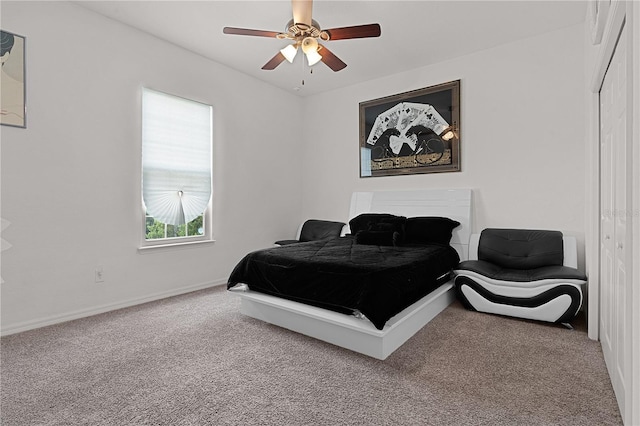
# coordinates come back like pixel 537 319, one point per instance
pixel 176 157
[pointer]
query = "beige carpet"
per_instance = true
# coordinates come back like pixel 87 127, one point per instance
pixel 194 360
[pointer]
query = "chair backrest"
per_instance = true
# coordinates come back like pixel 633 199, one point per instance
pixel 314 229
pixel 569 247
pixel 521 248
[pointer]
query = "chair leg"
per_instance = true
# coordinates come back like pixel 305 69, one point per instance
pixel 567 325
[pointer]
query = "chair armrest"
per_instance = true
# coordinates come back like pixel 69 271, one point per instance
pixel 474 241
pixel 570 249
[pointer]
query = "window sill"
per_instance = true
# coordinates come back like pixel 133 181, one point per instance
pixel 176 245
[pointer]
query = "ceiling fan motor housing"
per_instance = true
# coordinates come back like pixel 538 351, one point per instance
pixel 299 31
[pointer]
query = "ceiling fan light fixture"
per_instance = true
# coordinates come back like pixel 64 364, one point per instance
pixel 313 57
pixel 309 44
pixel 290 52
pixel 310 48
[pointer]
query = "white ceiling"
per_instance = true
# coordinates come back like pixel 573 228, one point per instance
pixel 414 33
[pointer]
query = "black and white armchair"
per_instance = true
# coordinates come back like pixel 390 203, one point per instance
pixel 523 273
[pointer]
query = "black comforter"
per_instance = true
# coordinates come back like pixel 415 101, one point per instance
pixel 340 275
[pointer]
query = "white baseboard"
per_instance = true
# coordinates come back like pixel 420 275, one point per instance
pixel 82 313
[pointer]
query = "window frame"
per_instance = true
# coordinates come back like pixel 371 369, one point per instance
pixel 207 215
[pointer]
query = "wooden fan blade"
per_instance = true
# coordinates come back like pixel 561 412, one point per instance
pixel 330 59
pixel 357 31
pixel 274 62
pixel 302 11
pixel 248 32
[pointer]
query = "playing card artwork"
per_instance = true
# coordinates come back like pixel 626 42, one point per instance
pixel 414 132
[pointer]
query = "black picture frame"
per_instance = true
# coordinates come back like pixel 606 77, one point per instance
pixel 412 132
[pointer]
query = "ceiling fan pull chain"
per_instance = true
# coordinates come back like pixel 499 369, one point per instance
pixel 310 72
pixel 302 70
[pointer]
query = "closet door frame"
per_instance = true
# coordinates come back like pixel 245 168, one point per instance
pixel 621 13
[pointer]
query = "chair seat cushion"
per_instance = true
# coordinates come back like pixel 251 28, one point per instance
pixel 497 273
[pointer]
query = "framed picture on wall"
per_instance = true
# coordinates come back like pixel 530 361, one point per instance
pixel 411 132
pixel 12 80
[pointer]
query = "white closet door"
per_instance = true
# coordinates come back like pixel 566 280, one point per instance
pixel 615 315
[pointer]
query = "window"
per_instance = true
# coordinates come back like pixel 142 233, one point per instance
pixel 176 168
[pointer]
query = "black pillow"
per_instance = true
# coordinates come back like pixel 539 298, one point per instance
pixel 314 229
pixel 364 221
pixel 377 238
pixel 429 230
pixel 392 224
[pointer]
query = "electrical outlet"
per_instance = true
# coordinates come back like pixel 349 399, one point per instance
pixel 99 274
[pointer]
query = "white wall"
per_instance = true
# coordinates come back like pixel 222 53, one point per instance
pixel 71 180
pixel 522 136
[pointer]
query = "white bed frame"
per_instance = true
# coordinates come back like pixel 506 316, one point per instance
pixel 357 334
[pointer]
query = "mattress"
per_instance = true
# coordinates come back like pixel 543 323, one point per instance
pixel 373 281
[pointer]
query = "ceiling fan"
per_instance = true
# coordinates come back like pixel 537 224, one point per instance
pixel 305 32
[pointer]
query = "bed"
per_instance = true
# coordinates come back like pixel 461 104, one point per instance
pixel 366 296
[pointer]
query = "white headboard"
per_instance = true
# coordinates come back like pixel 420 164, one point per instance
pixel 452 203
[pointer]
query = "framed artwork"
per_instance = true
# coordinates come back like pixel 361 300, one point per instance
pixel 12 80
pixel 412 132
